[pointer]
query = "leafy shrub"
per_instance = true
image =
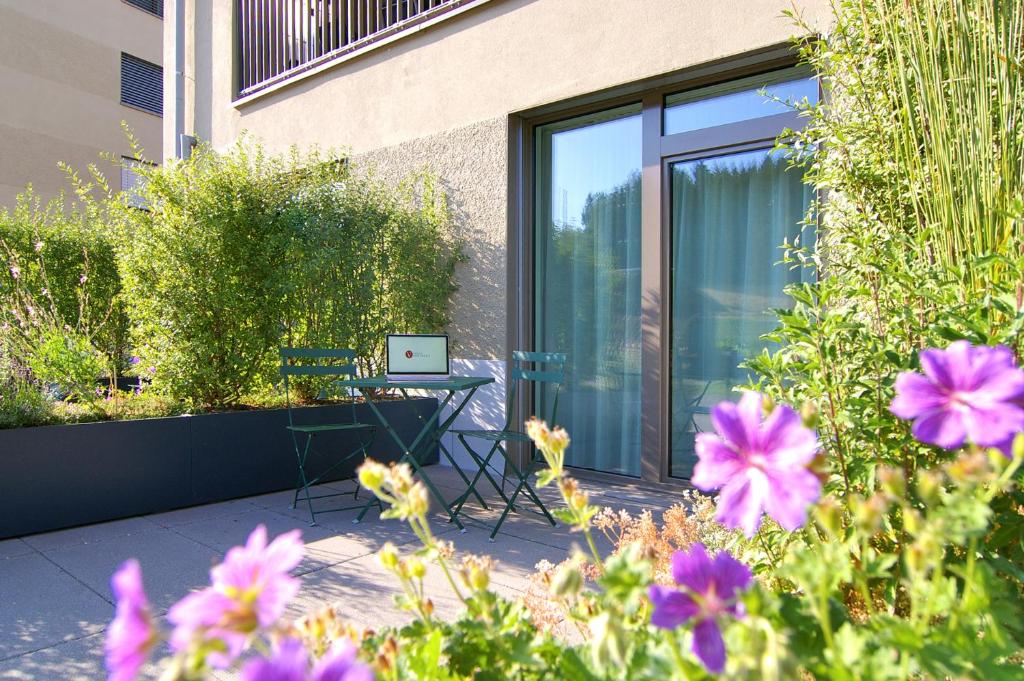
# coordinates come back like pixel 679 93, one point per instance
pixel 60 279
pixel 241 252
pixel 367 260
pixel 203 274
pixel 22 403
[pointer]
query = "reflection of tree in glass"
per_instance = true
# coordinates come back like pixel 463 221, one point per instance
pixel 593 285
pixel 730 216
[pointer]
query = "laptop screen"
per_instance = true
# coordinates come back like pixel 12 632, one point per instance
pixel 417 353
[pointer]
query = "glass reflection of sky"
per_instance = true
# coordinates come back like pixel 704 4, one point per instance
pixel 591 160
pixel 737 106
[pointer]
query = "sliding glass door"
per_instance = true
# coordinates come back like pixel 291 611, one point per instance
pixel 587 281
pixel 654 255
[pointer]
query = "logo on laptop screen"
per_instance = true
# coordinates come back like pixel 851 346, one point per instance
pixel 408 353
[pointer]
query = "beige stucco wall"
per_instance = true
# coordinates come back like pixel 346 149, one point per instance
pixel 60 80
pixel 441 97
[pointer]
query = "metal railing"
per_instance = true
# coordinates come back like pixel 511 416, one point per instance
pixel 280 38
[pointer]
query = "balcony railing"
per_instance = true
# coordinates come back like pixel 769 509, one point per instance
pixel 278 39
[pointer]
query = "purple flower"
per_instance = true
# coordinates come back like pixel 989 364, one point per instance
pixel 131 635
pixel 760 464
pixel 134 360
pixel 340 664
pixel 151 370
pixel 711 589
pixel 248 592
pixel 291 663
pixel 967 393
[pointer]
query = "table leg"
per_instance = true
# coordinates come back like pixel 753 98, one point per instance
pixel 409 456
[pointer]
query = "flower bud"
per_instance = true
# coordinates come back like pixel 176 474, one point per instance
pixel 929 486
pixel 829 515
pixel 892 481
pixel 388 556
pixel 428 607
pixel 868 514
pixel 608 643
pixel 567 581
pixel 418 500
pixel 970 468
pixel 912 521
pixel 767 404
pixel 372 474
pixel 809 415
pixel 476 572
pixel 417 569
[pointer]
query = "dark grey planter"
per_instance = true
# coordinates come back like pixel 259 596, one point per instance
pixel 62 476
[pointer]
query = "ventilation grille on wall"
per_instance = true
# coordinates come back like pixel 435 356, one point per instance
pixel 152 6
pixel 142 84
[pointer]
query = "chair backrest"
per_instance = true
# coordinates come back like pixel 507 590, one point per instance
pixel 333 363
pixel 537 369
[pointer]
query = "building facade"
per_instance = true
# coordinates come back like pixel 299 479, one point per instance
pixel 609 163
pixel 70 73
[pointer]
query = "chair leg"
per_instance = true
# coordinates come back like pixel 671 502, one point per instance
pixel 482 464
pixel 305 482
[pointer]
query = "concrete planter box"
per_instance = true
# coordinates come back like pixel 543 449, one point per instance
pixel 61 476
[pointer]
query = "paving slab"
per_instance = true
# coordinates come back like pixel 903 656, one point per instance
pixel 172 565
pixel 88 534
pixel 10 548
pixel 41 605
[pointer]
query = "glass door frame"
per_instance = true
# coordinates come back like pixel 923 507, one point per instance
pixel 658 152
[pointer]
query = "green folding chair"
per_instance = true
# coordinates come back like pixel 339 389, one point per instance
pixel 334 365
pixel 534 370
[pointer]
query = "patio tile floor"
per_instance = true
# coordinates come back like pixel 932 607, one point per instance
pixel 55 600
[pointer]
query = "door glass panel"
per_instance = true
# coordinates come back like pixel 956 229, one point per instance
pixel 730 216
pixel 734 102
pixel 587 282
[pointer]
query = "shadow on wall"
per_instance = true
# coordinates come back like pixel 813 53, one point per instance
pixel 471 165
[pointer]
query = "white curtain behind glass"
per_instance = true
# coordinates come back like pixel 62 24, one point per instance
pixel 730 216
pixel 588 285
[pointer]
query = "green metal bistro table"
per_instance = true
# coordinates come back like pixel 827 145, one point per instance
pixel 459 391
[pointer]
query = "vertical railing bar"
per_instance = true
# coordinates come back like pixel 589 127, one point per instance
pixel 241 45
pixel 275 68
pixel 258 41
pixel 282 36
pixel 293 59
pixel 309 31
pixel 348 21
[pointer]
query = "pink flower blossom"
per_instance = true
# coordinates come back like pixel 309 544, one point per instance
pixel 248 592
pixel 131 635
pixel 967 393
pixel 711 589
pixel 759 463
pixel 15 271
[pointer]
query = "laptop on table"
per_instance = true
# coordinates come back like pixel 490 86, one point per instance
pixel 417 357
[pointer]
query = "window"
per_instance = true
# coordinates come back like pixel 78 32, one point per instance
pixel 142 84
pixel 131 181
pixel 152 6
pixel 655 235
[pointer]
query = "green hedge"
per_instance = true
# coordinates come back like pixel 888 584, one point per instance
pixel 236 253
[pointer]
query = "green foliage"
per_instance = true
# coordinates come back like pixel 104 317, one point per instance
pixel 241 252
pixel 203 272
pixel 21 402
pixel 367 260
pixel 68 361
pixel 60 278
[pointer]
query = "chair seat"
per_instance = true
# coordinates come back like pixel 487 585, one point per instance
pixel 329 426
pixel 495 435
